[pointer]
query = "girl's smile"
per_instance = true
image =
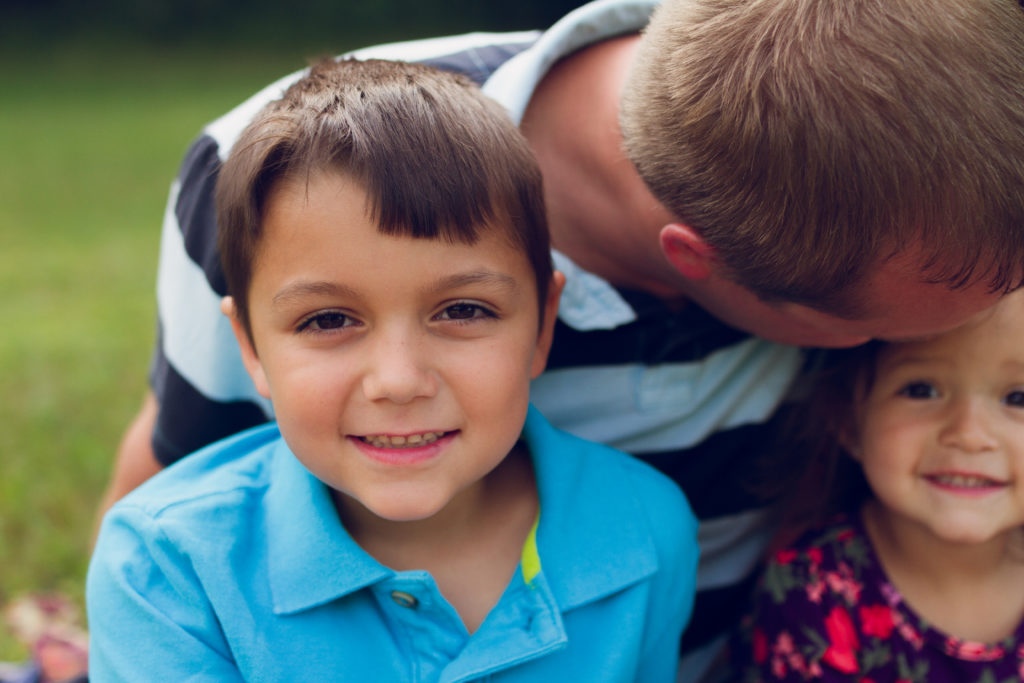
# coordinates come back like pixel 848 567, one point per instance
pixel 964 483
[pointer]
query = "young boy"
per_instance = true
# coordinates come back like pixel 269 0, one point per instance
pixel 390 287
pixel 843 164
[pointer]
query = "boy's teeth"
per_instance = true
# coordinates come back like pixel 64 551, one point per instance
pixel 384 441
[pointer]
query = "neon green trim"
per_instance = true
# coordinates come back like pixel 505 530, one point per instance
pixel 531 558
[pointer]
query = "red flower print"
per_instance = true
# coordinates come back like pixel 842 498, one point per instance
pixel 797 663
pixel 785 556
pixel 841 653
pixel 842 583
pixel 784 643
pixel 974 651
pixel 760 646
pixel 815 555
pixel 911 635
pixel 778 667
pixel 815 589
pixel 876 621
pixel 845 535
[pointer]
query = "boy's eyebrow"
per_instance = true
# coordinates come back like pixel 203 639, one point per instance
pixel 477 277
pixel 303 288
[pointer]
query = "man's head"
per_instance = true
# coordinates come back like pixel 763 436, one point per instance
pixel 808 145
pixel 435 157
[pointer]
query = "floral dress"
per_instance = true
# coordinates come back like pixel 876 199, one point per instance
pixel 826 611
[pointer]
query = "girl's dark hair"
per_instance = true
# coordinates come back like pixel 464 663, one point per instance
pixel 810 472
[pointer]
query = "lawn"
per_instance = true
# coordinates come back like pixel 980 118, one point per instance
pixel 90 141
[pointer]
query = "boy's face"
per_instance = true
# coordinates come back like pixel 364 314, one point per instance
pixel 941 432
pixel 399 368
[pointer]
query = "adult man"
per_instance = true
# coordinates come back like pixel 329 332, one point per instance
pixel 814 173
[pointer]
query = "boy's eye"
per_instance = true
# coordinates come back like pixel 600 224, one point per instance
pixel 329 320
pixel 464 311
pixel 919 390
pixel 1015 398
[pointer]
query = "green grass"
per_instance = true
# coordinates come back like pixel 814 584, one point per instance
pixel 90 142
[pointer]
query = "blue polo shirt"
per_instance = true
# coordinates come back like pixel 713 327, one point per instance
pixel 233 565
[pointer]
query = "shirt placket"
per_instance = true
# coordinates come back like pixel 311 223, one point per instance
pixel 425 626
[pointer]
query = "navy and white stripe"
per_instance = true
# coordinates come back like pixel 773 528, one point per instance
pixel 679 390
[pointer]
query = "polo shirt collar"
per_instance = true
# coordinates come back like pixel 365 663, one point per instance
pixel 512 84
pixel 311 558
pixel 588 302
pixel 592 539
pixel 588 515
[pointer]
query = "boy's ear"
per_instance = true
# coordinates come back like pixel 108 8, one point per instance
pixel 547 324
pixel 686 251
pixel 249 357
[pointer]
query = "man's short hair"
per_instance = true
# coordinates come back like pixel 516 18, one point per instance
pixel 437 159
pixel 807 140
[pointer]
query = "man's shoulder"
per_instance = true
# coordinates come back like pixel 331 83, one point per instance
pixel 216 477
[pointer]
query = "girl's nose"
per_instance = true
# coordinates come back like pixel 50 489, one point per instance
pixel 968 427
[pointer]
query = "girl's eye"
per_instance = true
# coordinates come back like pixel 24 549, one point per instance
pixel 1015 398
pixel 919 390
pixel 326 321
pixel 465 311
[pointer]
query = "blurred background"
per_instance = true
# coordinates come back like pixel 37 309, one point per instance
pixel 98 102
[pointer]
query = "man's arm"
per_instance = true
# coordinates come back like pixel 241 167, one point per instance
pixel 135 459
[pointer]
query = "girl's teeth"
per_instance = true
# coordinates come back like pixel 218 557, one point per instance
pixel 384 441
pixel 964 481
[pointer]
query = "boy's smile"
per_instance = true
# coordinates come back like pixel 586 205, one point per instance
pixel 399 368
pixel 403 450
pixel 410 441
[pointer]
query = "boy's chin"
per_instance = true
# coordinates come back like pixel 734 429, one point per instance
pixel 394 507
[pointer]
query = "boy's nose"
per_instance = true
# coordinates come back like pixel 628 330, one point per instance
pixel 968 427
pixel 399 372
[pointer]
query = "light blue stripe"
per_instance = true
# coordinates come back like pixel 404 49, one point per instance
pixel 198 340
pixel 671 406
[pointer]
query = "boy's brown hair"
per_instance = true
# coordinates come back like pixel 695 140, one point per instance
pixel 807 140
pixel 437 159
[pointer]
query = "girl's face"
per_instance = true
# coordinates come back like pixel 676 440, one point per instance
pixel 941 432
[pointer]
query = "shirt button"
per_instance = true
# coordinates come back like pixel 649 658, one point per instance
pixel 403 599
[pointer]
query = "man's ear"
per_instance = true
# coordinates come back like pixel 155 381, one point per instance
pixel 547 324
pixel 686 251
pixel 249 356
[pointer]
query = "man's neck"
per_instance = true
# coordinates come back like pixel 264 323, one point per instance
pixel 601 214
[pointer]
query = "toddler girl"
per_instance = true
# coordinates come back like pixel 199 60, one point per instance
pixel 923 578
